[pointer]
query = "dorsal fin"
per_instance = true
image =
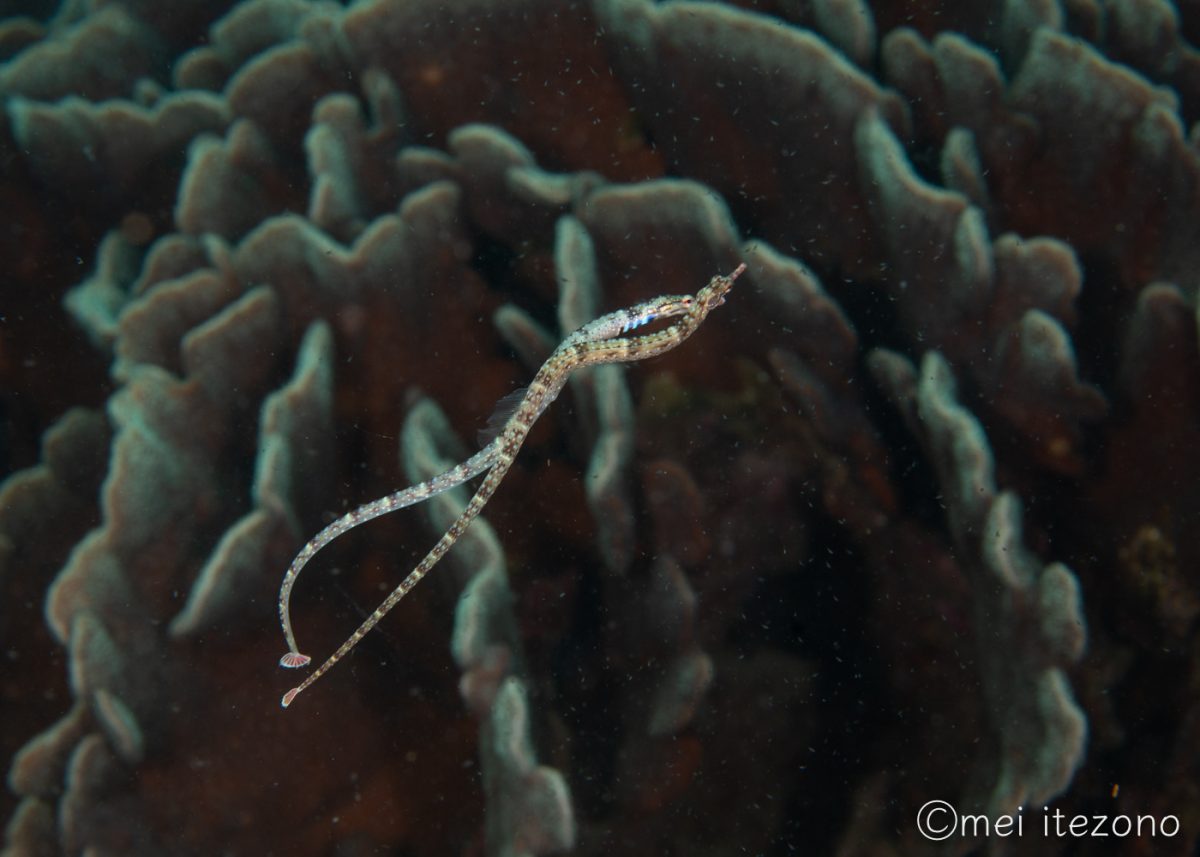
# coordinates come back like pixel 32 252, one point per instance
pixel 501 414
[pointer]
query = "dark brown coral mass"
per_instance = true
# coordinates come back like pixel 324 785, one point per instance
pixel 908 520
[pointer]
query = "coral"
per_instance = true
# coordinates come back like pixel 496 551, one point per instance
pixel 1029 618
pixel 100 56
pixel 112 146
pixel 771 592
pixel 529 805
pixel 532 811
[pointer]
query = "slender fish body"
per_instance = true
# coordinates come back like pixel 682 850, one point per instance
pixel 597 342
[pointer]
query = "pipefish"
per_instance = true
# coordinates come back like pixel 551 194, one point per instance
pixel 600 341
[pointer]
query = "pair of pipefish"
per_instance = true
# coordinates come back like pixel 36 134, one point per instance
pixel 597 342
